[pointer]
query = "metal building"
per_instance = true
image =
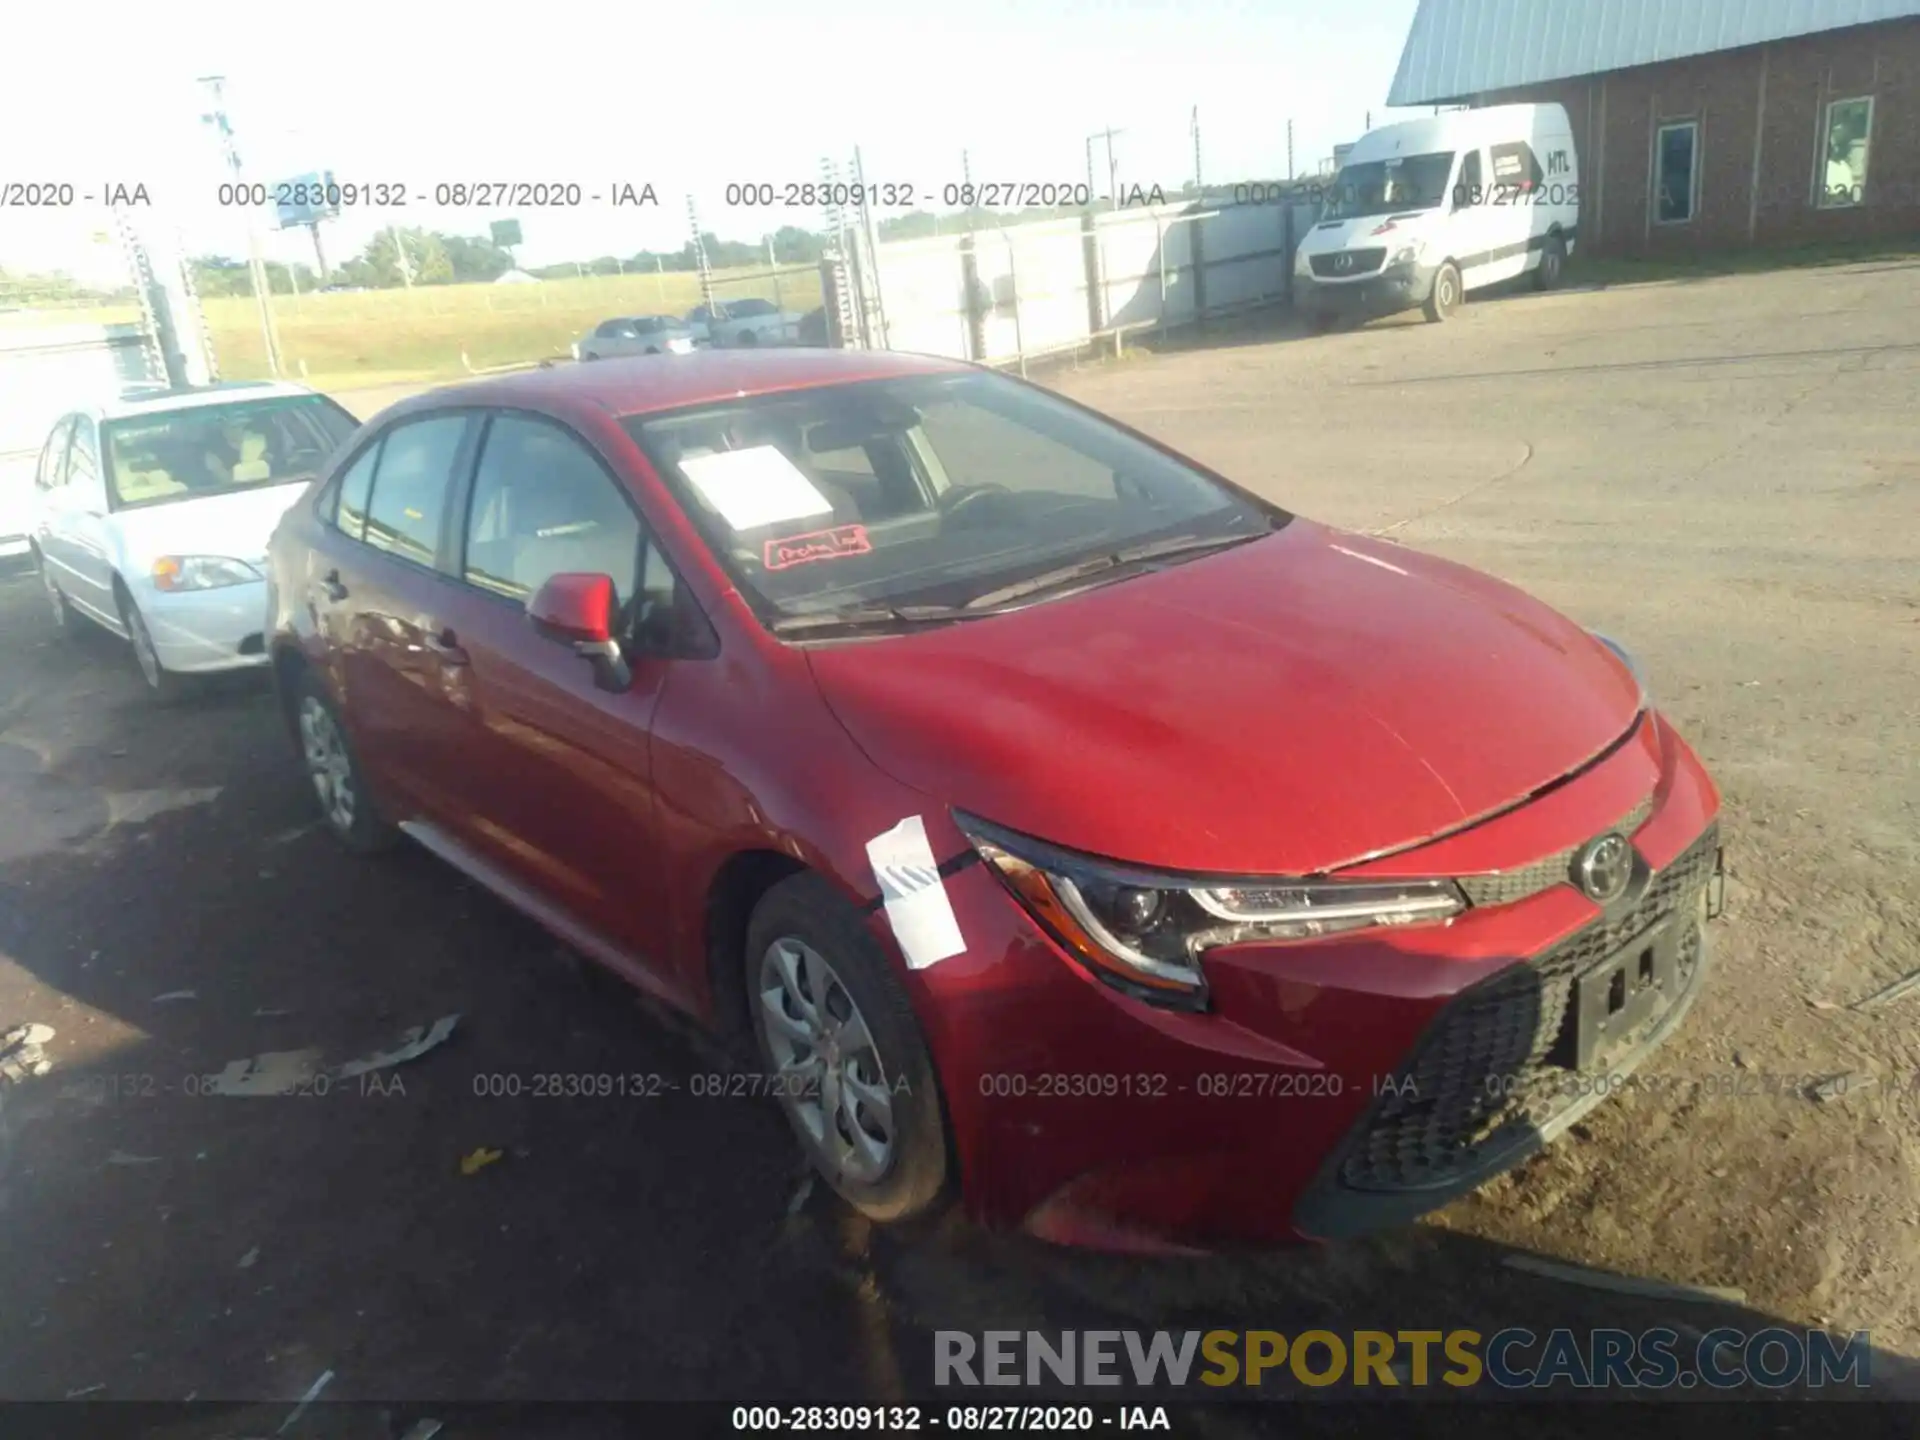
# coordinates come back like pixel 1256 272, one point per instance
pixel 1701 124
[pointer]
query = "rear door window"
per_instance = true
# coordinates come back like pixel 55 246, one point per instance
pixel 350 501
pixel 410 484
pixel 52 473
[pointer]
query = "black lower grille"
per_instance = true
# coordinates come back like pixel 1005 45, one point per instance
pixel 1342 263
pixel 1483 1079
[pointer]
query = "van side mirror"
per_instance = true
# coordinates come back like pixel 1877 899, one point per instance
pixel 579 611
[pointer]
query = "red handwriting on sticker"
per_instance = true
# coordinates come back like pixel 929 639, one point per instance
pixel 834 544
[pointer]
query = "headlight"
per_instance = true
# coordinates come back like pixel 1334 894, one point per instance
pixel 1145 932
pixel 1408 254
pixel 1301 265
pixel 200 572
pixel 1626 659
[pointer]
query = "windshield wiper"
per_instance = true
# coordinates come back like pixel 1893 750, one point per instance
pixel 1095 565
pixel 860 616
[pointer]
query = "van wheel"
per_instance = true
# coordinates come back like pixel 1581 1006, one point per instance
pixel 1323 322
pixel 838 1036
pixel 1444 298
pixel 1553 262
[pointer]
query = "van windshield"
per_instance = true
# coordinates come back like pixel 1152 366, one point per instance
pixel 1390 187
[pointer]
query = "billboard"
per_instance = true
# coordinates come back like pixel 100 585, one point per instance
pixel 305 199
pixel 506 233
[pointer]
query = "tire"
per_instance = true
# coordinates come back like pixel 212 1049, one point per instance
pixel 746 337
pixel 804 943
pixel 1553 263
pixel 67 623
pixel 653 349
pixel 1444 298
pixel 164 687
pixel 333 770
pixel 1323 322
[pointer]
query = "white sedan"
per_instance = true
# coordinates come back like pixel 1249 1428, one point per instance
pixel 152 515
pixel 743 322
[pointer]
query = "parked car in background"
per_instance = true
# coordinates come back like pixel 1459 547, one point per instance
pixel 1057 821
pixel 733 323
pixel 151 517
pixel 1425 212
pixel 635 335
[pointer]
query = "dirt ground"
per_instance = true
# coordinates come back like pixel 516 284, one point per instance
pixel 1723 475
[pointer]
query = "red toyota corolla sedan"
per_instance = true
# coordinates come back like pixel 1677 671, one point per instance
pixel 1067 827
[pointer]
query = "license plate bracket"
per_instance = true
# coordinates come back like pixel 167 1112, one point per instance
pixel 1613 1002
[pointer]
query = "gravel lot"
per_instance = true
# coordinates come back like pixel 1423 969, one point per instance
pixel 1721 474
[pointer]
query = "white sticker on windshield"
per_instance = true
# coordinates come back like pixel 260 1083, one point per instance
pixel 916 898
pixel 755 487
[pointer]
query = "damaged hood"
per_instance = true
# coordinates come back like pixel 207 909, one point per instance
pixel 1293 705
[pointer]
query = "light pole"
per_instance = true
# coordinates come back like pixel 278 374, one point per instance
pixel 256 267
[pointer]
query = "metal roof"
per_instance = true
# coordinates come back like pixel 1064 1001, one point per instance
pixel 1457 49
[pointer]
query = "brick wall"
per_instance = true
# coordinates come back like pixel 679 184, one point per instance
pixel 1615 117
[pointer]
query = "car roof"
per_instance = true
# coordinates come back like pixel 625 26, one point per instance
pixel 159 399
pixel 644 385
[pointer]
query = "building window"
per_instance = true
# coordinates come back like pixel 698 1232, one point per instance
pixel 1676 172
pixel 1843 181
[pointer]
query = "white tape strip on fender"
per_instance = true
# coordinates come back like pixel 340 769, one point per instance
pixel 916 898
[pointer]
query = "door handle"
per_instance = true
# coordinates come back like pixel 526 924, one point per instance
pixel 331 584
pixel 446 648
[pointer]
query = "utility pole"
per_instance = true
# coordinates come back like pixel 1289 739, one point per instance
pixel 1113 168
pixel 1199 185
pixel 1289 149
pixel 319 252
pixel 256 266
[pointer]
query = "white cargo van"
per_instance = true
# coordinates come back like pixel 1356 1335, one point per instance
pixel 1427 211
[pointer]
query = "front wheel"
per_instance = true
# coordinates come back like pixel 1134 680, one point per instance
pixel 1444 298
pixel 163 685
pixel 840 1041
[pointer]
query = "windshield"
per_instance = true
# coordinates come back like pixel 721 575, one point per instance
pixel 214 449
pixel 1390 187
pixel 930 491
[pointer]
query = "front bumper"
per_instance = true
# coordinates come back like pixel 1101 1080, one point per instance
pixel 1336 1085
pixel 1387 292
pixel 199 632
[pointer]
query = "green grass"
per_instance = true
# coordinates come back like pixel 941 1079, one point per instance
pixel 1611 270
pixel 382 337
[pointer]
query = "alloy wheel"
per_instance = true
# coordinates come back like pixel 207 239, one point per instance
pixel 829 1073
pixel 328 764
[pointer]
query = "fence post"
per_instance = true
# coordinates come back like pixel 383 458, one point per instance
pixel 1013 282
pixel 1090 260
pixel 1286 249
pixel 1197 248
pixel 974 299
pixel 1160 250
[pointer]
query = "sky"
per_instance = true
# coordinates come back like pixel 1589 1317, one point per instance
pixel 687 98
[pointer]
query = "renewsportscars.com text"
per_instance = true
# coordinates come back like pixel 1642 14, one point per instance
pixel 1511 1359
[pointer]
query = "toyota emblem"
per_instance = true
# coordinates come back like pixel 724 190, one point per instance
pixel 1604 868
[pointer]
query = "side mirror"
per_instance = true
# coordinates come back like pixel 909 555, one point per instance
pixel 578 610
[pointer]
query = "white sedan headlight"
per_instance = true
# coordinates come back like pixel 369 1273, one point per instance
pixel 176 573
pixel 1145 932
